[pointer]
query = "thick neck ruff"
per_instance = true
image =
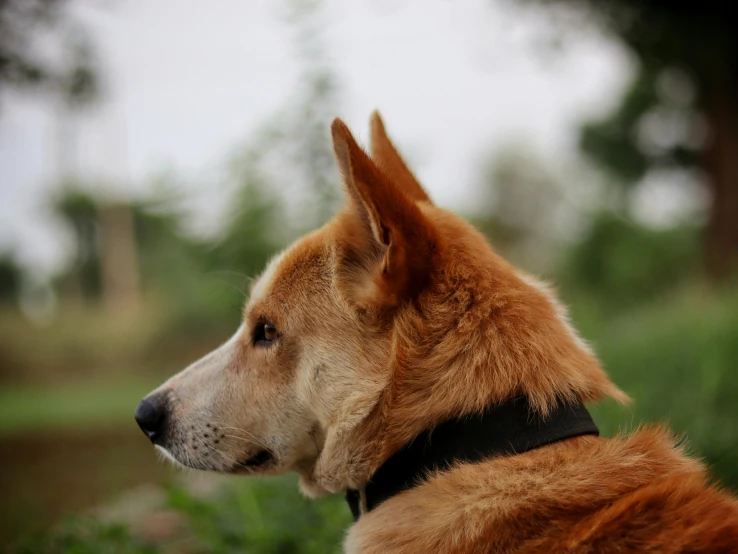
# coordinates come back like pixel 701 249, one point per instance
pixel 509 428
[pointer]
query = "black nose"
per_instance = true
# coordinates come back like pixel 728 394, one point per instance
pixel 151 415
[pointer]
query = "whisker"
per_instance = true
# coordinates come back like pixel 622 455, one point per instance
pixel 248 440
pixel 223 456
pixel 250 437
pixel 228 460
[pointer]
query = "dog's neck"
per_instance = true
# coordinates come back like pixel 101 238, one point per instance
pixel 504 429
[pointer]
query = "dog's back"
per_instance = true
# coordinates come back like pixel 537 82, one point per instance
pixel 626 494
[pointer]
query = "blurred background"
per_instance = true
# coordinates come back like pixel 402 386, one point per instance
pixel 153 155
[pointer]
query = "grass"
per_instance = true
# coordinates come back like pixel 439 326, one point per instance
pixel 85 535
pixel 243 515
pixel 678 360
pixel 92 403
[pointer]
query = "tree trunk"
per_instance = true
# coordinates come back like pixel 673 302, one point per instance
pixel 720 102
pixel 119 260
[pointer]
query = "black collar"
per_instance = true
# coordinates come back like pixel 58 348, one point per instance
pixel 508 428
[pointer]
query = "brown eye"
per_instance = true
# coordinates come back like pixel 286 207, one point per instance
pixel 265 334
pixel 270 332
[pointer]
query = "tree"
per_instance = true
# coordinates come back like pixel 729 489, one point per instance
pixel 531 208
pixel 80 212
pixel 10 278
pixel 250 236
pixel 72 73
pixel 316 104
pixel 297 138
pixel 687 76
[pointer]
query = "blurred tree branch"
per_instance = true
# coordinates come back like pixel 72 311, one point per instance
pixel 679 46
pixel 42 50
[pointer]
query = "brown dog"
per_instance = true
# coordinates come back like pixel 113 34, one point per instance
pixel 397 318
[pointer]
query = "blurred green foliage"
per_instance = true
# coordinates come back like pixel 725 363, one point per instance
pixel 10 278
pixel 264 515
pixel 80 212
pixel 676 356
pixel 623 264
pixel 85 535
pixel 248 515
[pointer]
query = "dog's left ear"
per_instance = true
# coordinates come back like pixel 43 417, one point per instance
pixel 404 240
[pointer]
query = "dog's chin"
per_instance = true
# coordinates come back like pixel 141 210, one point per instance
pixel 259 463
pixel 165 454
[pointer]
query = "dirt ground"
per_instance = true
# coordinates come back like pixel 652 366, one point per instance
pixel 45 476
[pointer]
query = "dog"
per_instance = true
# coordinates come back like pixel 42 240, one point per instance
pixel 394 356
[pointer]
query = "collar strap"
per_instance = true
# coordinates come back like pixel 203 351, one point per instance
pixel 508 428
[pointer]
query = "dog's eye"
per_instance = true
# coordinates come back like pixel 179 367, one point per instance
pixel 265 334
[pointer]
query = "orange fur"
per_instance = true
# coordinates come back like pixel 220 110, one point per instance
pixel 628 494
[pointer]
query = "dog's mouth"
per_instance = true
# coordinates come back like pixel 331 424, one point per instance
pixel 260 459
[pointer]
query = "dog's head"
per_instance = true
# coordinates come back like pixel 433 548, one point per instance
pixel 393 316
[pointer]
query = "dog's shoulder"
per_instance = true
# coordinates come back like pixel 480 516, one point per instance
pixel 630 493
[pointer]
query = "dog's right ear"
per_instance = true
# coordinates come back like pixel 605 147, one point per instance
pixel 388 158
pixel 404 241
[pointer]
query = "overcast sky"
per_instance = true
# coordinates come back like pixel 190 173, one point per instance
pixel 188 80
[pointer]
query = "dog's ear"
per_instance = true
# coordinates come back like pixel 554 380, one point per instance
pixel 387 157
pixel 403 241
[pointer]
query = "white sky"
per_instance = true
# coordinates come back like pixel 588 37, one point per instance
pixel 189 80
